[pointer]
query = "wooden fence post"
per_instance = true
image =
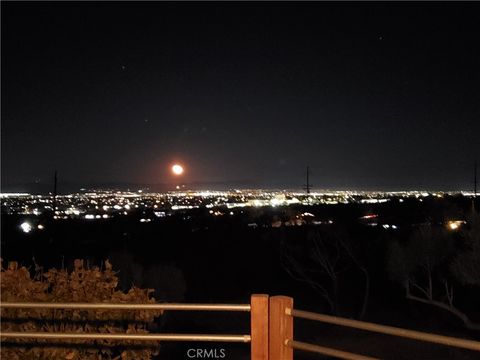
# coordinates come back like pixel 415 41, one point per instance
pixel 280 328
pixel 259 326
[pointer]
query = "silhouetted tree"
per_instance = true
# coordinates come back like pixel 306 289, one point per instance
pixel 466 266
pixel 429 266
pixel 322 262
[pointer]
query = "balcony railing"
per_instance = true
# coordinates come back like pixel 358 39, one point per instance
pixel 271 327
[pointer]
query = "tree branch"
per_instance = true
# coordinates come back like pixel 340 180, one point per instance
pixel 452 310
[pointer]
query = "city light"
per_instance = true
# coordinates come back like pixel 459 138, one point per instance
pixel 109 204
pixel 455 224
pixel 26 227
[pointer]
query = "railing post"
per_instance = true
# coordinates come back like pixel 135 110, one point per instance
pixel 280 328
pixel 259 326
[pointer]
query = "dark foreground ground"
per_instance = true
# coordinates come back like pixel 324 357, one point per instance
pixel 196 257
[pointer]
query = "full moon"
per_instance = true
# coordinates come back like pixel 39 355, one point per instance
pixel 177 169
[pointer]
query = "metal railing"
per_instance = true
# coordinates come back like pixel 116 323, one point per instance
pixel 140 337
pixel 271 327
pixel 389 330
pixel 282 315
pixel 126 306
pixel 233 338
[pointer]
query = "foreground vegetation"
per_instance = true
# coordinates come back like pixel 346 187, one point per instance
pixel 80 284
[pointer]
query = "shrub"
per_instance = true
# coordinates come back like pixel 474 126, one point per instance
pixel 82 284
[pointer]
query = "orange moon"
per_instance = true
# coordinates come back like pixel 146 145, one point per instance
pixel 177 169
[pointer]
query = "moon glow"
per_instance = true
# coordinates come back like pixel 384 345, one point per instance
pixel 177 169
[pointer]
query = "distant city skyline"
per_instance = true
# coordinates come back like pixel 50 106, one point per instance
pixel 369 95
pixel 70 187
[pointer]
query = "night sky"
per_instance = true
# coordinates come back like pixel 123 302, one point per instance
pixel 371 96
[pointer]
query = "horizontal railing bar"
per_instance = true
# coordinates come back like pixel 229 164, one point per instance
pixel 298 345
pixel 388 330
pixel 137 337
pixel 109 306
